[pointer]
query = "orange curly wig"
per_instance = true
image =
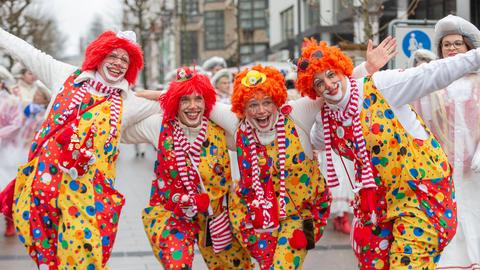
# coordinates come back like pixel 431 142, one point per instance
pixel 274 86
pixel 318 57
pixel 197 83
pixel 98 49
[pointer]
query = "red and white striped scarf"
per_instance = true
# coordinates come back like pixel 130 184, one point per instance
pixel 182 149
pixel 256 184
pixel 113 93
pixel 351 111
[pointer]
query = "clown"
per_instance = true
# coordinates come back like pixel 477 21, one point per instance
pixel 65 208
pixel 188 197
pixel 405 209
pixel 280 205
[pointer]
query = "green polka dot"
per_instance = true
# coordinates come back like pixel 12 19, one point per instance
pixel 303 178
pixel 165 233
pixel 87 116
pixel 45 243
pixel 296 261
pixel 177 255
pixel 173 173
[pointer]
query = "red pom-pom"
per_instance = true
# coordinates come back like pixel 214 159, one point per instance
pixel 298 239
pixel 286 109
pixel 362 235
pixel 65 137
pixel 202 201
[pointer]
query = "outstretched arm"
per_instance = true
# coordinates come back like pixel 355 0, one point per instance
pixel 146 131
pixel 50 71
pixel 136 109
pixel 304 111
pixel 401 87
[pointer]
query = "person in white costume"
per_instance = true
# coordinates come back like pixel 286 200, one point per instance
pixel 456 122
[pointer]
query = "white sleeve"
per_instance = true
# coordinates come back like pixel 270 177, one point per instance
pixel 401 87
pixel 360 71
pixel 223 116
pixel 136 109
pixel 50 71
pixel 145 131
pixel 304 111
pixel 316 135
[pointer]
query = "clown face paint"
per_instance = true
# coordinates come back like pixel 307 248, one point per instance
pixel 261 113
pixel 191 109
pixel 114 66
pixel 330 85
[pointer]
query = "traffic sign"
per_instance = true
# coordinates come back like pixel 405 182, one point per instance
pixel 411 35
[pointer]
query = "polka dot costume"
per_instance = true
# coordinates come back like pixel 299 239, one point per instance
pixel 67 223
pixel 307 198
pixel 415 206
pixel 172 237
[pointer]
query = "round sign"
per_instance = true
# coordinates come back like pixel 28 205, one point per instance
pixel 415 40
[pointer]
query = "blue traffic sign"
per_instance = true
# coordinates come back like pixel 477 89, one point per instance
pixel 415 40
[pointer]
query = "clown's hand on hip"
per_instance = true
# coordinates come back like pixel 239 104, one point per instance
pixel 379 57
pixel 476 161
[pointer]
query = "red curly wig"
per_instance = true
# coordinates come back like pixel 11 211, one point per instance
pixel 197 83
pixel 274 87
pixel 318 57
pixel 98 49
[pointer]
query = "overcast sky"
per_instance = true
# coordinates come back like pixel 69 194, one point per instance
pixel 74 17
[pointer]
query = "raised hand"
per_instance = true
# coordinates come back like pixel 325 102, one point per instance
pixel 378 57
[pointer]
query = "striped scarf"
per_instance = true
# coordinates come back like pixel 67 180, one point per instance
pixel 256 184
pixel 183 149
pixel 113 93
pixel 351 111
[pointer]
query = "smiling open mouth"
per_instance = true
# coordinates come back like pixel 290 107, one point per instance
pixel 263 122
pixel 192 115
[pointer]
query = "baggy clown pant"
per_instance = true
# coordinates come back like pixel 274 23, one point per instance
pixel 67 223
pixel 173 238
pixel 272 249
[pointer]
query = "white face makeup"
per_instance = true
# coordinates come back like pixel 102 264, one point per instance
pixel 261 113
pixel 114 66
pixel 191 109
pixel 330 85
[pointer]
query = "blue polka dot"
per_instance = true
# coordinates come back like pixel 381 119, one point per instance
pixel 301 156
pixel 418 231
pixel 26 215
pixel 99 206
pixel 21 238
pixel 414 172
pixel 87 233
pixel 435 144
pixel 384 233
pixel 74 185
pixel 388 114
pixel 41 166
pixel 37 233
pixel 262 244
pixel 375 161
pixel 90 210
pixel 56 105
pixel 282 240
pixel 245 164
pixel 448 213
pixel 105 240
pixel 179 236
pixel 91 267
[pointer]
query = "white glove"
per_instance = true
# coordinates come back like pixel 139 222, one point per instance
pixel 476 161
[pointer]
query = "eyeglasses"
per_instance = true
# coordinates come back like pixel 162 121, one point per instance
pixel 457 44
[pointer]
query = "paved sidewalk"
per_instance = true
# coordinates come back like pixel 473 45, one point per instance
pixel 132 250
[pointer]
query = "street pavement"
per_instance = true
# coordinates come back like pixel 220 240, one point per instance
pixel 132 250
